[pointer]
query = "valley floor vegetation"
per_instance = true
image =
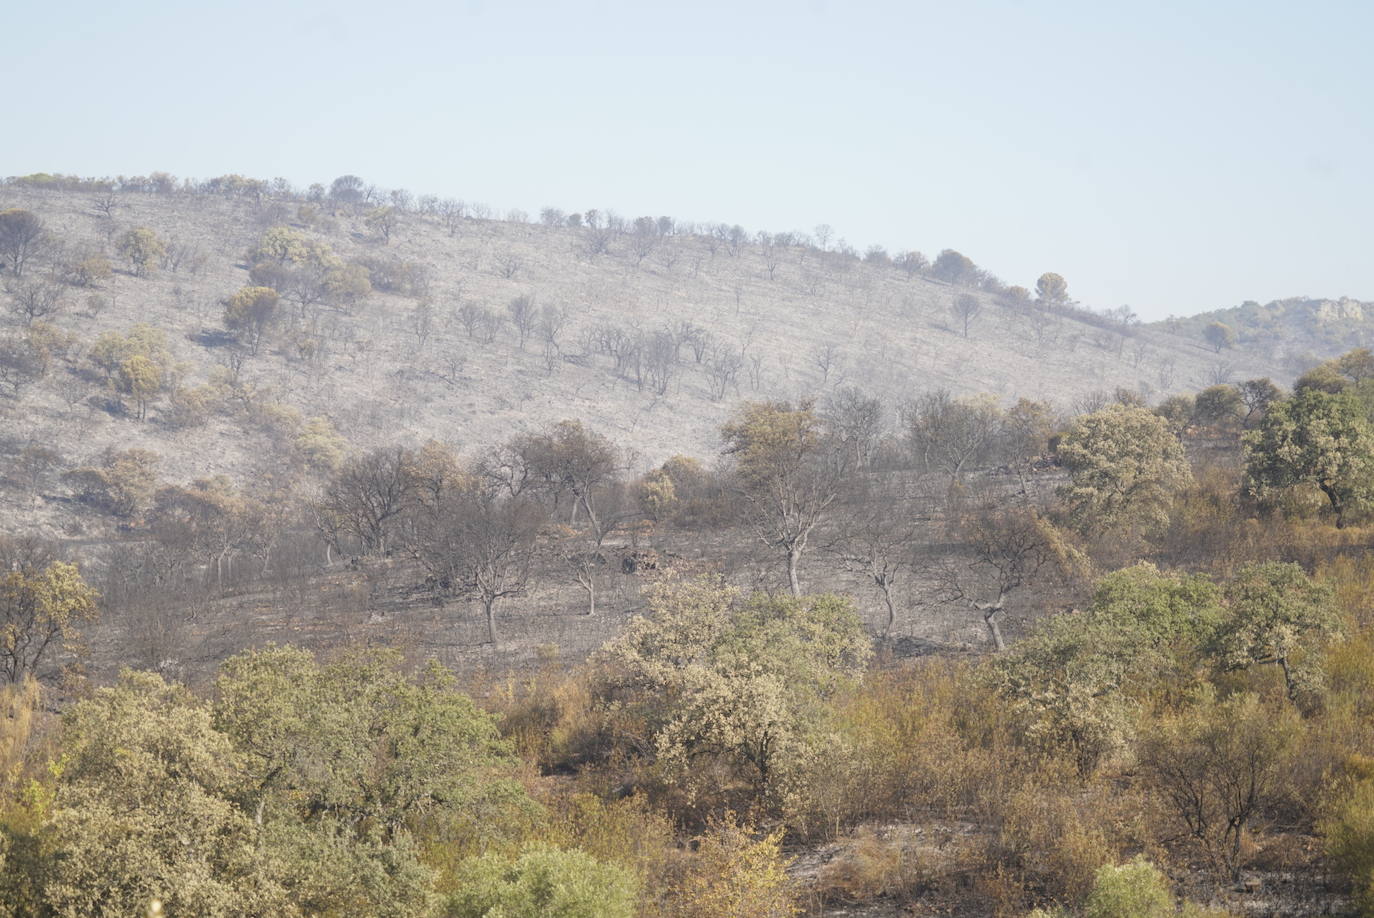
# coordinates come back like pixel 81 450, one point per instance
pixel 1159 698
pixel 1193 724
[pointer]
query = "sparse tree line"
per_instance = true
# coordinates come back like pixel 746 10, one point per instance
pixel 300 302
pixel 1201 706
pixel 800 477
pixel 601 232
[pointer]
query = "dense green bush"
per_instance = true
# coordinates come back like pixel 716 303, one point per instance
pixel 543 882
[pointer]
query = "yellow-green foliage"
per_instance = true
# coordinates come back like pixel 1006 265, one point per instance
pixel 347 283
pixel 1278 615
pixel 1125 465
pixel 191 407
pixel 657 495
pixel 627 832
pixel 1076 682
pixel 86 270
pixel 112 350
pixel 320 444
pixel 1134 890
pixel 905 748
pixel 41 612
pixel 382 221
pixel 142 248
pixel 1314 438
pixel 282 421
pixel 140 378
pixel 1054 835
pixel 280 244
pixel 249 313
pixel 122 484
pixel 407 754
pixel 1351 578
pixel 1349 832
pixel 736 689
pixel 770 439
pixel 18 715
pixel 49 340
pixel 734 875
pixel 142 811
pixel 672 489
pixel 224 808
pixel 543 882
pixel 1219 407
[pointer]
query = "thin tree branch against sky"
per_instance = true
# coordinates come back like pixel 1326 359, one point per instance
pixel 1171 156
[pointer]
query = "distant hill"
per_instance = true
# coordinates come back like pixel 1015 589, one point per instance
pixel 648 331
pixel 1295 332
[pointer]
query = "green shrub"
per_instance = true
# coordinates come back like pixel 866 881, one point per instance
pixel 1349 832
pixel 1134 890
pixel 543 882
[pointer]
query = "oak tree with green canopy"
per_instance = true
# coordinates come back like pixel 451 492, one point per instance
pixel 954 268
pixel 738 683
pixel 1257 395
pixel 249 313
pixel 141 379
pixel 1125 465
pixel 122 484
pixel 142 249
pixel 305 788
pixel 320 445
pixel 405 755
pixel 1315 438
pixel 1219 406
pixel 43 604
pixel 1277 616
pixel 305 269
pixel 279 244
pixel 1077 680
pixel 1323 377
pixel 382 221
pixel 1219 335
pixel 1339 373
pixel 112 350
pixel 142 810
pixel 1051 290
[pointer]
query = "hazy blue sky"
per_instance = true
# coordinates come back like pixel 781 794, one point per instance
pixel 1170 156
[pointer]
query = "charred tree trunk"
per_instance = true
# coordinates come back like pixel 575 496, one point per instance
pixel 489 607
pixel 990 612
pixel 887 600
pixel 793 578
